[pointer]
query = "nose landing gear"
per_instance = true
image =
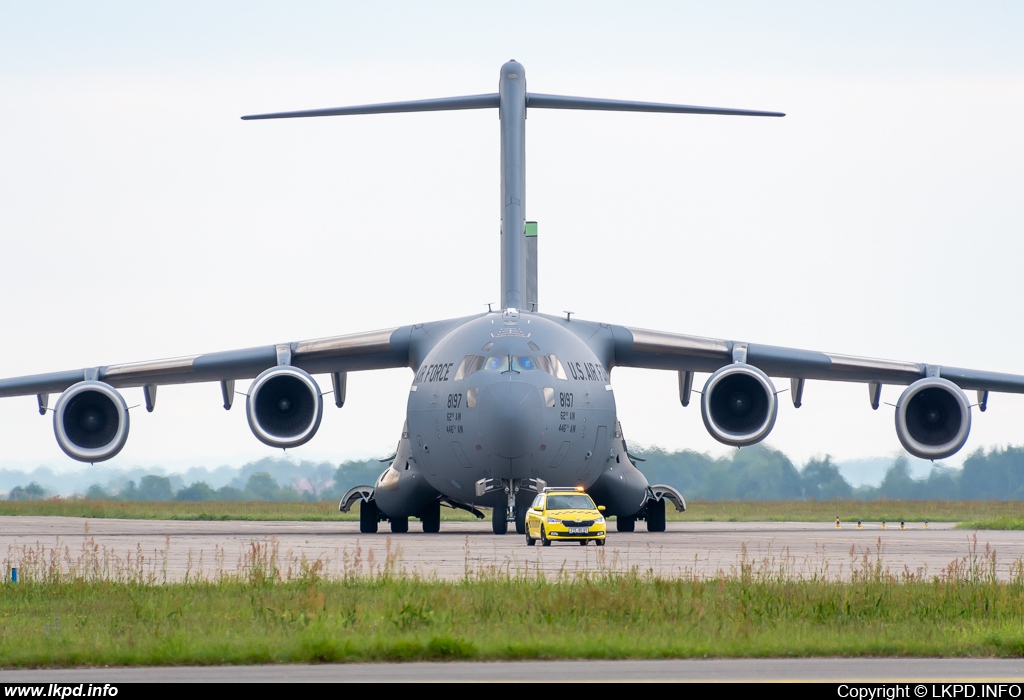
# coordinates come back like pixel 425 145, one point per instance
pixel 518 494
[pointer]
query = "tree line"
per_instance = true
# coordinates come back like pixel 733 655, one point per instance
pixel 758 473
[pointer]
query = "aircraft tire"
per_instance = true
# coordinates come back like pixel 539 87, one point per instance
pixel 499 520
pixel 656 516
pixel 544 541
pixel 431 518
pixel 520 520
pixel 523 501
pixel 369 516
pixel 624 524
pixel 399 525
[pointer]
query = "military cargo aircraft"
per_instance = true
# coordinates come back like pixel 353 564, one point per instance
pixel 505 403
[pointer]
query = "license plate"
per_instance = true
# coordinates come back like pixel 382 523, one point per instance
pixel 579 530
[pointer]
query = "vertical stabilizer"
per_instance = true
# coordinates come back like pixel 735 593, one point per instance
pixel 512 112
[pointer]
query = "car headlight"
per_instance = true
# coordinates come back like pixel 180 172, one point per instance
pixel 554 521
pixel 599 521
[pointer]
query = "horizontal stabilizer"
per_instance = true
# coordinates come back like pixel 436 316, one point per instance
pixel 439 104
pixel 534 99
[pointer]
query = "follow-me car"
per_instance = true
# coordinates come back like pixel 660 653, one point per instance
pixel 506 402
pixel 565 515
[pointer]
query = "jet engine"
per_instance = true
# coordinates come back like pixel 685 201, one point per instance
pixel 933 418
pixel 739 405
pixel 90 421
pixel 284 407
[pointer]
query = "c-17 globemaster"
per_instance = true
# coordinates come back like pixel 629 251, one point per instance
pixel 507 402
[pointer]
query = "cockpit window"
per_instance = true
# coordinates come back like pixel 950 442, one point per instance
pixel 556 367
pixel 524 363
pixel 497 362
pixel 514 363
pixel 470 364
pixel 462 371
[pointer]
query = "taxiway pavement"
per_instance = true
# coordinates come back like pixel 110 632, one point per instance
pixel 161 550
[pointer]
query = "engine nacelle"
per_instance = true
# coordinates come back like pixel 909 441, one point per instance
pixel 284 407
pixel 739 405
pixel 90 421
pixel 933 418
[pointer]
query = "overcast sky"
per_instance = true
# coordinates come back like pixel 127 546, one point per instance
pixel 140 218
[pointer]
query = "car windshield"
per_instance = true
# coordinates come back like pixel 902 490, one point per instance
pixel 576 501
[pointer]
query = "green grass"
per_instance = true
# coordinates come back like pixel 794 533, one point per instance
pixel 998 523
pixel 1008 512
pixel 176 510
pixel 187 510
pixel 260 618
pixel 849 511
pixel 85 606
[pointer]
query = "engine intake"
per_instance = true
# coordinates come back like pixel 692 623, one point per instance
pixel 284 407
pixel 90 421
pixel 933 418
pixel 739 405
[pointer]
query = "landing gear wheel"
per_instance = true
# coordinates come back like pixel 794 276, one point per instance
pixel 656 516
pixel 369 516
pixel 430 518
pixel 399 525
pixel 499 520
pixel 544 541
pixel 624 524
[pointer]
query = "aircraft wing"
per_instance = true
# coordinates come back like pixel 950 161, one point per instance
pixel 739 401
pixel 358 351
pixel 284 403
pixel 636 347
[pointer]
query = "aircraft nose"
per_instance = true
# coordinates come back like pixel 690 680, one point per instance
pixel 512 410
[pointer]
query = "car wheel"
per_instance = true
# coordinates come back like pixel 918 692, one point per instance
pixel 529 540
pixel 583 542
pixel 544 541
pixel 599 543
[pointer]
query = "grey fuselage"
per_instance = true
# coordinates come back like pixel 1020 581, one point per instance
pixel 512 396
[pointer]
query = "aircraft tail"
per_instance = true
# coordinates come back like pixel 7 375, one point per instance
pixel 518 248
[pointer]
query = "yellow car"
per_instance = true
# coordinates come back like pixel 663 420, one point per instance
pixel 564 514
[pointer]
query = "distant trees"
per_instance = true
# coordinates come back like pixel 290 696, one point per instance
pixel 820 480
pixel 995 475
pixel 198 491
pixel 758 473
pixel 32 492
pixel 761 473
pixel 265 480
